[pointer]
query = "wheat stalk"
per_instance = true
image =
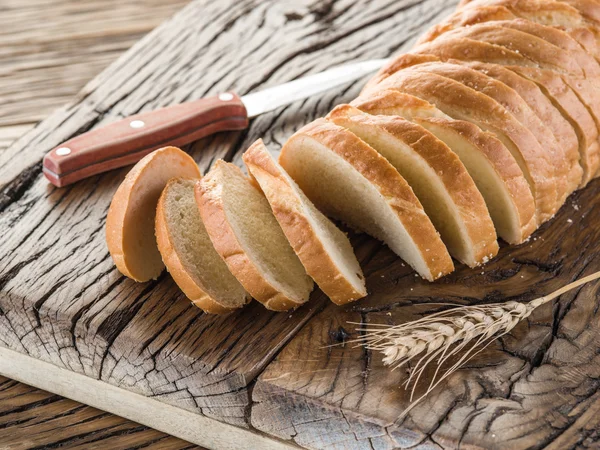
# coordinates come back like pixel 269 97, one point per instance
pixel 462 332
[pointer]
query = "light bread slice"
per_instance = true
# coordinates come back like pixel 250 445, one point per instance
pixel 550 83
pixel 463 103
pixel 189 254
pixel 323 249
pixel 437 177
pixel 491 166
pixel 130 220
pixel 347 179
pixel 246 235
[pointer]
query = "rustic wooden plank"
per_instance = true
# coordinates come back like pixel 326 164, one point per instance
pixel 534 388
pixel 62 300
pixel 31 418
pixel 149 411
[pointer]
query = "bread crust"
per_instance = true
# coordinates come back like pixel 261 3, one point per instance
pixel 450 170
pixel 471 105
pixel 516 106
pixel 556 14
pixel 504 165
pixel 123 212
pixel 225 241
pixel 288 209
pixel 377 170
pixel 552 85
pixel 194 291
pixel 387 103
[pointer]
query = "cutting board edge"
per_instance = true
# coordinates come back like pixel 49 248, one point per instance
pixel 178 422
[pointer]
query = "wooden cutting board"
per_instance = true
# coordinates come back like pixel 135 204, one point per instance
pixel 71 324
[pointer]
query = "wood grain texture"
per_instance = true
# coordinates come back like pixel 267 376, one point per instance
pixel 35 419
pixel 51 48
pixel 535 388
pixel 62 299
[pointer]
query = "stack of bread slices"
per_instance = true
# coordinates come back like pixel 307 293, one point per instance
pixel 482 131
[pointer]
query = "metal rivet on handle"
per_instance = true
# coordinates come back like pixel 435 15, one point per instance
pixel 63 151
pixel 225 96
pixel 136 124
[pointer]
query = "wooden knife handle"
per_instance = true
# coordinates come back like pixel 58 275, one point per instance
pixel 129 140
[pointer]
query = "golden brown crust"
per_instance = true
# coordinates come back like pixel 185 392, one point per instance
pixel 556 14
pixel 562 130
pixel 124 216
pixel 551 84
pixel 226 243
pixel 377 170
pixel 195 292
pixel 390 102
pixel 515 105
pixel 288 209
pixel 450 170
pixel 466 104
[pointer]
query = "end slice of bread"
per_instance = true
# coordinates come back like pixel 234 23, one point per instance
pixel 437 176
pixel 323 249
pixel 189 255
pixel 348 180
pixel 130 220
pixel 248 238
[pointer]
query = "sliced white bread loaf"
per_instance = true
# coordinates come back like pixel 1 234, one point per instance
pixel 246 235
pixel 348 180
pixel 491 166
pixel 323 249
pixel 463 103
pixel 550 83
pixel 130 220
pixel 189 255
pixel 437 177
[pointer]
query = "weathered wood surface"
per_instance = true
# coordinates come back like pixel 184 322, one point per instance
pixel 35 419
pixel 535 388
pixel 51 48
pixel 63 302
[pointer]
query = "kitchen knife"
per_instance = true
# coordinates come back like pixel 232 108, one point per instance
pixel 128 140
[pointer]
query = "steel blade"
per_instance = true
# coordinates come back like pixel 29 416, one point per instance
pixel 272 98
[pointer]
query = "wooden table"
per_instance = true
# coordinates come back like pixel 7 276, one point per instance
pixel 47 57
pixel 72 324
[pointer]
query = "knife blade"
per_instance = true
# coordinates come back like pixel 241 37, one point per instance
pixel 128 140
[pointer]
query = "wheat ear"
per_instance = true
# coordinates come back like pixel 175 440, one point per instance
pixel 439 336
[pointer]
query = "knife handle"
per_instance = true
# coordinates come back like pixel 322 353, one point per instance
pixel 128 140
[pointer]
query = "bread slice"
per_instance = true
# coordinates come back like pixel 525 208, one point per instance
pixel 491 166
pixel 516 106
pixel 348 180
pixel 130 220
pixel 436 175
pixel 189 254
pixel 550 83
pixel 323 249
pixel 246 235
pixel 463 103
